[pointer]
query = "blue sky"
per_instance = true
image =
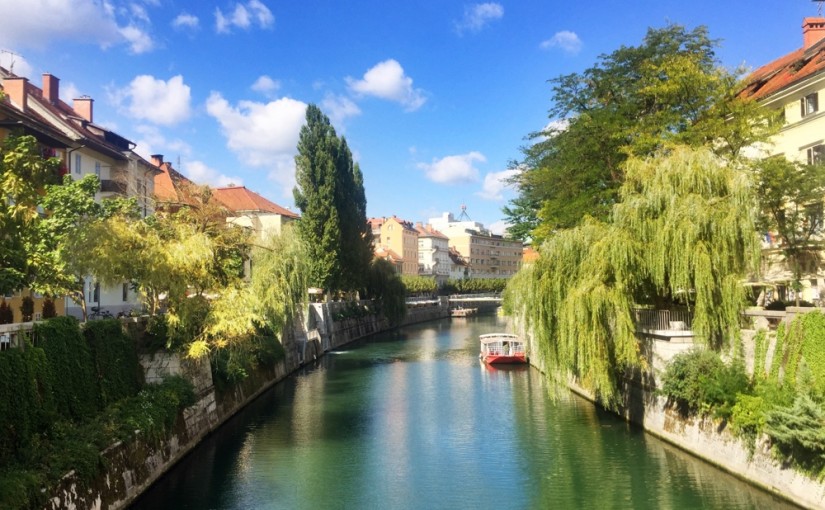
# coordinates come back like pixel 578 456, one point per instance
pixel 435 97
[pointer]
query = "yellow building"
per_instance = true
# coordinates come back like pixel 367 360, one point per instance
pixel 400 237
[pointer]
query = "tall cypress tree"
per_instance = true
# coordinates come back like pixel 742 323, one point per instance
pixel 356 238
pixel 315 173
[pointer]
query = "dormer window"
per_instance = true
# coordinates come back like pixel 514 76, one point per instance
pixel 810 104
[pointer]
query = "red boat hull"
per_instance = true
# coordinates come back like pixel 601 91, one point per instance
pixel 502 359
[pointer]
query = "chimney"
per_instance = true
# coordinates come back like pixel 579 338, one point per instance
pixel 813 31
pixel 83 107
pixel 157 160
pixel 51 88
pixel 15 88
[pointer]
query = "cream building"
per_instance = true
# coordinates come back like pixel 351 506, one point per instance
pixel 399 237
pixel 488 255
pixel 433 253
pixel 794 84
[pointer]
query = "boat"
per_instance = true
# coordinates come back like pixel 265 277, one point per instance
pixel 502 348
pixel 463 312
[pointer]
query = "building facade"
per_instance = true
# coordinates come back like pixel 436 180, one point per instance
pixel 488 255
pixel 69 132
pixel 400 237
pixel 433 253
pixel 794 85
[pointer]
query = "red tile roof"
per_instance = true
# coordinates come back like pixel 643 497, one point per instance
pixel 167 184
pixel 786 70
pixel 241 199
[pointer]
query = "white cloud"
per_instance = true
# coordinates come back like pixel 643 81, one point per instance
pixel 478 15
pixel 453 169
pixel 339 109
pixel 185 20
pixel 152 141
pixel 495 183
pixel 499 227
pixel 139 12
pixel 387 80
pixel 37 23
pixel 139 41
pixel 244 16
pixel 16 63
pixel 266 85
pixel 568 41
pixel 200 173
pixel 69 91
pixel 157 101
pixel 263 135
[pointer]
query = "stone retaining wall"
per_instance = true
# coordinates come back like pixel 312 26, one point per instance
pixel 131 468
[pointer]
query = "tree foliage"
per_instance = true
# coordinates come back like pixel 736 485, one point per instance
pixel 23 174
pixel 790 198
pixel 330 195
pixel 668 90
pixel 683 232
pixel 387 291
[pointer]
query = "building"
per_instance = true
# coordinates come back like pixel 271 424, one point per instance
pixel 794 84
pixel 488 255
pixel 399 236
pixel 70 133
pixel 459 268
pixel 249 209
pixel 433 253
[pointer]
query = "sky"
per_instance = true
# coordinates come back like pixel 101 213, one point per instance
pixel 436 98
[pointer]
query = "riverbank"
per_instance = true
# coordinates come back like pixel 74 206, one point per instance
pixel 130 468
pixel 706 438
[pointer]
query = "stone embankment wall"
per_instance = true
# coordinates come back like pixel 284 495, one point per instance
pixel 132 467
pixel 706 438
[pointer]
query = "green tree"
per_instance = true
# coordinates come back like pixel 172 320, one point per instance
pixel 683 231
pixel 668 90
pixel 790 200
pixel 320 225
pixel 23 174
pixel 59 249
pixel 356 250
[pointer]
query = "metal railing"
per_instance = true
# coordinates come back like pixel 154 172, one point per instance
pixel 664 320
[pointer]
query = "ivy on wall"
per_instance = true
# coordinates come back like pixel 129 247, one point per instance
pixel 115 362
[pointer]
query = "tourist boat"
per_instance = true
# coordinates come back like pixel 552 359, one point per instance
pixel 502 348
pixel 463 312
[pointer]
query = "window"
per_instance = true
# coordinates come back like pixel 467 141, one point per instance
pixel 125 292
pixel 816 154
pixel 97 168
pixel 77 162
pixel 96 296
pixel 810 104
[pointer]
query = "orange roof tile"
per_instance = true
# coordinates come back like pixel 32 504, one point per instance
pixel 786 70
pixel 240 199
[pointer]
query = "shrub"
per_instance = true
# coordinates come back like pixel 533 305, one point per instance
pixel 49 310
pixel 798 434
pixel 699 381
pixel 6 313
pixel 27 309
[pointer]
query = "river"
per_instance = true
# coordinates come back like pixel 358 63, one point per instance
pixel 413 420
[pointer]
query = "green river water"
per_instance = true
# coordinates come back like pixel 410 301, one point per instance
pixel 413 420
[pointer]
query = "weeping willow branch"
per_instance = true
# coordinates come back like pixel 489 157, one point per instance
pixel 684 231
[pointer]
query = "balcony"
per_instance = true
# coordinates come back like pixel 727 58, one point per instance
pixel 110 186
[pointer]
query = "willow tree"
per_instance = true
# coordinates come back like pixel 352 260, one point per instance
pixel 684 229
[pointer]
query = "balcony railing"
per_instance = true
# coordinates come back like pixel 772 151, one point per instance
pixel 664 320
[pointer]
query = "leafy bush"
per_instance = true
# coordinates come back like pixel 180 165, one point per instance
pixel 419 285
pixel 698 381
pixel 748 416
pixel 473 285
pixel 116 367
pixel 798 434
pixel 27 309
pixel 49 309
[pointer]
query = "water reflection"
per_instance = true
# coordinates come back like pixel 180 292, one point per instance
pixel 413 420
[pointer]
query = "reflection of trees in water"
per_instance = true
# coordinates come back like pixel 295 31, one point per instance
pixel 597 460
